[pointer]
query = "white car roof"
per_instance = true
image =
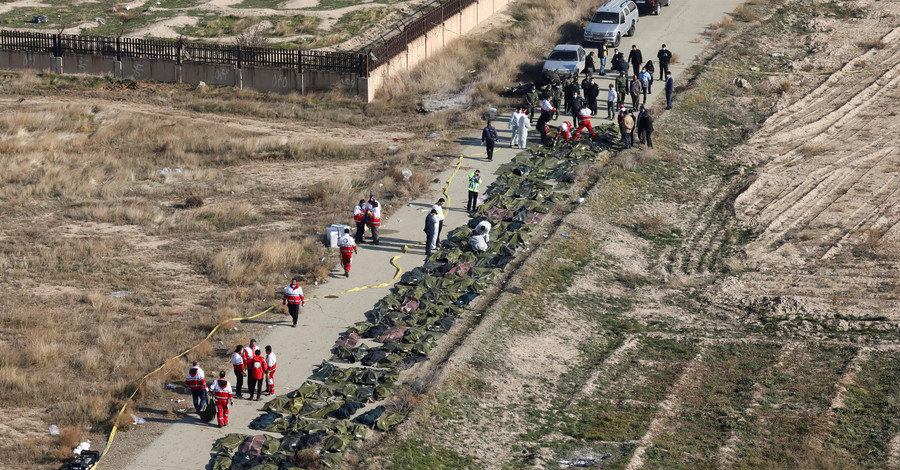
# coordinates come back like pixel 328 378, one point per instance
pixel 566 47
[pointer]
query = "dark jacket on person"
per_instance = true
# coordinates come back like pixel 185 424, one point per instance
pixel 635 57
pixel 664 56
pixel 645 122
pixel 489 134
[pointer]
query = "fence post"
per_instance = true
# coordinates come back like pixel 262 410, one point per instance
pixel 57 47
pixel 240 50
pixel 119 48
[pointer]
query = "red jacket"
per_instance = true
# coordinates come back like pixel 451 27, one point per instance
pixel 196 379
pixel 258 367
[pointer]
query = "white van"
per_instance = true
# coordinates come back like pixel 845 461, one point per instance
pixel 614 19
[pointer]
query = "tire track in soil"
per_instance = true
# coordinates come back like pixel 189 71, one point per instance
pixel 666 409
pixel 822 427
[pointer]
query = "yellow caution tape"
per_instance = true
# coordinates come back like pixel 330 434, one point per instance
pixel 112 434
pixel 399 271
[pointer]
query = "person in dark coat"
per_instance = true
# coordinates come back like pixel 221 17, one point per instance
pixel 645 127
pixel 489 138
pixel 591 92
pixel 664 55
pixel 621 88
pixel 589 63
pixel 670 88
pixel 571 91
pixel 636 59
pixel 577 104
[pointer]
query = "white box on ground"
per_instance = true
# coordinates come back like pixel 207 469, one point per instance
pixel 333 233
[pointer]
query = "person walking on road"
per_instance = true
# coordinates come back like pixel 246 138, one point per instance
pixel 359 216
pixel 611 99
pixel 670 88
pixel 584 122
pixel 431 225
pixel 621 88
pixel 636 59
pixel 645 127
pixel 651 71
pixel 223 397
pixel 489 138
pixel 438 208
pixel 293 298
pixel 589 63
pixel 474 185
pixel 373 219
pixel 620 117
pixel 628 123
pixel 636 89
pixel 271 363
pixel 196 382
pixel 257 374
pixel 557 99
pixel 237 362
pixel 664 56
pixel 347 246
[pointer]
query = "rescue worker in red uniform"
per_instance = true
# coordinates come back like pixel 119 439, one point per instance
pixel 257 374
pixel 223 397
pixel 237 362
pixel 271 362
pixel 196 382
pixel 293 298
pixel 359 216
pixel 563 130
pixel 584 121
pixel 348 247
pixel 247 354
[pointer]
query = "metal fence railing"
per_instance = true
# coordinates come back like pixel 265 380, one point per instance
pixel 181 51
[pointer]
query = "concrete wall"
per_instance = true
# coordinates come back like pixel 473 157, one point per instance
pixel 273 80
pixel 18 60
pixel 89 64
pixel 425 47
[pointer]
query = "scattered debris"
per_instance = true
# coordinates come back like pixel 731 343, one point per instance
pixel 138 419
pixel 433 135
pixel 54 430
pixel 120 294
pixel 86 445
pixel 742 83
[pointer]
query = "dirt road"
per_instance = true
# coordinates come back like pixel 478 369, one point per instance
pixel 186 443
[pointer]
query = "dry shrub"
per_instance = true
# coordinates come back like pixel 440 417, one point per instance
pixel 217 217
pixel 784 86
pixel 872 44
pixel 675 58
pixel 651 225
pixel 411 394
pixel 745 14
pixel 278 253
pixel 812 150
pixel 308 459
pixel 119 212
pixel 69 438
pixel 193 202
pixel 254 36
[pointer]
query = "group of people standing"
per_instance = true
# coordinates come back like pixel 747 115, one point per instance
pixel 245 360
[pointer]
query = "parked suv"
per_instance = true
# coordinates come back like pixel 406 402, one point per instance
pixel 614 19
pixel 651 6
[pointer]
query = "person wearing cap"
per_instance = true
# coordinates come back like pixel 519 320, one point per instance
pixel 431 228
pixel 474 184
pixel 347 246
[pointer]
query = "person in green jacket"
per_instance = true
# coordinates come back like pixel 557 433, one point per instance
pixel 474 185
pixel 621 88
pixel 531 101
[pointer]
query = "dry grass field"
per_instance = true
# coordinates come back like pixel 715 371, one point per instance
pixel 137 216
pixel 729 300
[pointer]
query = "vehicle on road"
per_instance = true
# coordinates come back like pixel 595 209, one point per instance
pixel 565 59
pixel 651 6
pixel 614 19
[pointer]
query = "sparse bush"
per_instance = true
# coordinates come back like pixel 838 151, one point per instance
pixel 308 459
pixel 784 86
pixel 651 225
pixel 745 14
pixel 872 44
pixel 254 36
pixel 193 202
